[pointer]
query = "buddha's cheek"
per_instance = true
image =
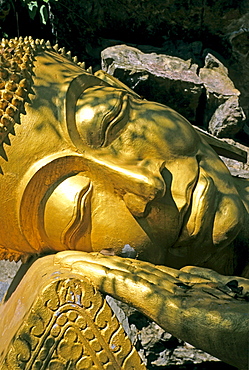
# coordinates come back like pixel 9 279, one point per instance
pixel 113 227
pixel 92 216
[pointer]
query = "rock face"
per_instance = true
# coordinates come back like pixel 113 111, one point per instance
pixel 150 20
pixel 223 115
pixel 228 119
pixel 206 96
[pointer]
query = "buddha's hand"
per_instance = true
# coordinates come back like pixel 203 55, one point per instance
pixel 122 276
pixel 197 305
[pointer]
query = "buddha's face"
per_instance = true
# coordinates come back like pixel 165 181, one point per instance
pixel 101 168
pixel 150 181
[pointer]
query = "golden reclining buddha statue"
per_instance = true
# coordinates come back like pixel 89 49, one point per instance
pixel 90 170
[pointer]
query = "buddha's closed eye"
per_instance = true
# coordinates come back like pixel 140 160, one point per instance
pixel 101 113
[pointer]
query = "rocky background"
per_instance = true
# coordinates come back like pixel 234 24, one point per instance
pixel 190 55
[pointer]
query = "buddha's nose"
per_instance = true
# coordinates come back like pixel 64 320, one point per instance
pixel 146 185
pixel 138 183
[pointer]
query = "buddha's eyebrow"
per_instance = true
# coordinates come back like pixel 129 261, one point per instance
pixel 114 82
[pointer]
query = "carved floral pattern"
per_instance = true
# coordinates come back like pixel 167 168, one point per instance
pixel 70 326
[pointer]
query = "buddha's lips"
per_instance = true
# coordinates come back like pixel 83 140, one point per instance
pixel 197 219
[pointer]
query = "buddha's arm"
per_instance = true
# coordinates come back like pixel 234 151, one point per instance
pixel 197 305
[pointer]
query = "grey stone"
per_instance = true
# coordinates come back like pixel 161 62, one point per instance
pixel 7 272
pixel 228 119
pixel 3 289
pixel 214 76
pixel 219 88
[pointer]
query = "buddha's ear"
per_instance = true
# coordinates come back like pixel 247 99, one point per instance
pixel 113 81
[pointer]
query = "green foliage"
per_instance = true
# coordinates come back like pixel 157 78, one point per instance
pixel 35 6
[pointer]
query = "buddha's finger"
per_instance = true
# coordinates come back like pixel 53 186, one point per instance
pixel 133 267
pixel 237 284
